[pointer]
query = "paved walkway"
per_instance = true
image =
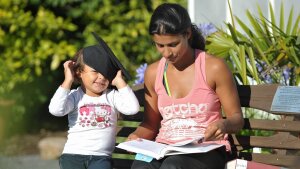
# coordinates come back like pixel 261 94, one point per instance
pixel 27 162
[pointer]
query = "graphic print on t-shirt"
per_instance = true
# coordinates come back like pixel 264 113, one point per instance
pixel 182 120
pixel 95 115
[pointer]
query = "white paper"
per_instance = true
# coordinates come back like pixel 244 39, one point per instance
pixel 286 99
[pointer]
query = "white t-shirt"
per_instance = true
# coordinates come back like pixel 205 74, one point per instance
pixel 92 120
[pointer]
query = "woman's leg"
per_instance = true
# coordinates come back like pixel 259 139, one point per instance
pixel 215 159
pixel 154 164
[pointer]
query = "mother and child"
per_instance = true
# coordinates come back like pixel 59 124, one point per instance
pixel 185 75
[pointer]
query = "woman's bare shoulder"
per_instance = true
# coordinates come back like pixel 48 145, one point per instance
pixel 216 66
pixel 151 71
pixel 215 63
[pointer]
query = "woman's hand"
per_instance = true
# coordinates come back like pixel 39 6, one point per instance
pixel 215 130
pixel 133 136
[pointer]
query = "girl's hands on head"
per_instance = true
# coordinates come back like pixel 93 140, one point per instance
pixel 69 74
pixel 118 81
pixel 215 130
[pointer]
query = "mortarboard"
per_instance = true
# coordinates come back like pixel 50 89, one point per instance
pixel 101 58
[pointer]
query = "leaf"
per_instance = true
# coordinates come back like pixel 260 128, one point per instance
pixel 258 30
pixel 273 19
pixel 296 29
pixel 294 56
pixel 281 25
pixel 253 64
pixel 290 20
pixel 264 24
pixel 242 59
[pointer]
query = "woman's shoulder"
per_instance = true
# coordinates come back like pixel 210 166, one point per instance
pixel 151 71
pixel 215 63
pixel 152 68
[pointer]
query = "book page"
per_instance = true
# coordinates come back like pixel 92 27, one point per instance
pixel 159 150
pixel 192 148
pixel 145 147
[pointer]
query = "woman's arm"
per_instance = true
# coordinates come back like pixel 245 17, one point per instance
pixel 148 129
pixel 220 78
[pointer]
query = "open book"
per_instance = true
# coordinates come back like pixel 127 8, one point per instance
pixel 159 150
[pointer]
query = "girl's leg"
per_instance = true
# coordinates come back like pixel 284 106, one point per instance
pixel 72 161
pixel 99 162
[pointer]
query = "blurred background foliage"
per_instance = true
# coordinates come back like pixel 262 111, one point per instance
pixel 265 51
pixel 36 36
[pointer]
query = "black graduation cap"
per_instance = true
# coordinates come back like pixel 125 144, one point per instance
pixel 101 58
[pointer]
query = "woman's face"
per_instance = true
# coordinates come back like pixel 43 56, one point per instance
pixel 172 47
pixel 93 82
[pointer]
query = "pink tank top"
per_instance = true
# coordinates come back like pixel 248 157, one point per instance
pixel 187 117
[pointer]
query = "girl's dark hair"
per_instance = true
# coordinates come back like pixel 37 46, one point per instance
pixel 79 65
pixel 170 18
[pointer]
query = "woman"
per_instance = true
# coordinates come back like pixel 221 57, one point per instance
pixel 185 93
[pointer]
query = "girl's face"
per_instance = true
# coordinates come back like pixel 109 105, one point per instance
pixel 172 47
pixel 93 82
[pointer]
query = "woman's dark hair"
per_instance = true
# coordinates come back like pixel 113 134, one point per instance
pixel 170 18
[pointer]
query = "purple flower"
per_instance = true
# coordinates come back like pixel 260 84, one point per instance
pixel 286 73
pixel 259 67
pixel 264 70
pixel 140 74
pixel 207 29
pixel 268 79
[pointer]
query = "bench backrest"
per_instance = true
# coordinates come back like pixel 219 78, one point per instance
pixel 280 144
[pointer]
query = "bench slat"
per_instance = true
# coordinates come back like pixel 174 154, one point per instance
pixel 257 96
pixel 290 161
pixel 273 125
pixel 278 141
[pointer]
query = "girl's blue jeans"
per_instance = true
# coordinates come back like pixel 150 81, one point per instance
pixel 77 161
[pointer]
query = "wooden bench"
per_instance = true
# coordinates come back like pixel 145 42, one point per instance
pixel 280 144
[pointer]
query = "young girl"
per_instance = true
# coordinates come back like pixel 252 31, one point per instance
pixel 92 108
pixel 186 91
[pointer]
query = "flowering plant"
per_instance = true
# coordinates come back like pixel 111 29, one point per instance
pixel 140 74
pixel 265 52
pixel 207 28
